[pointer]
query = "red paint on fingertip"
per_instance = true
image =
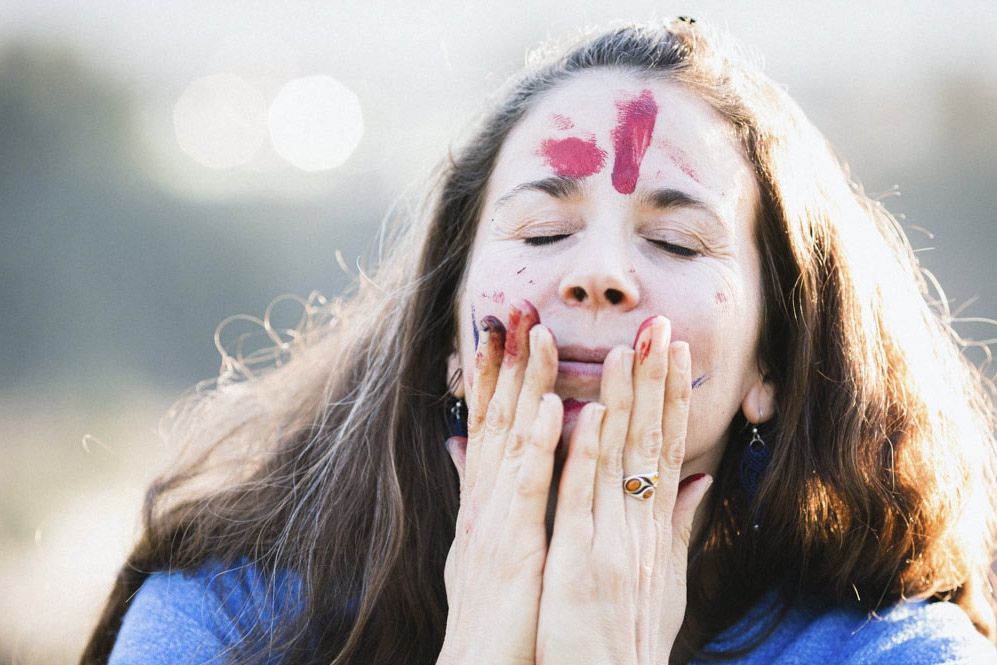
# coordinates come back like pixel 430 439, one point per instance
pixel 512 339
pixel 528 310
pixel 573 157
pixel 631 137
pixel 647 322
pixel 645 351
pixel 691 479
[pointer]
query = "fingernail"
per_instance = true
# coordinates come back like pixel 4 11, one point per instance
pixel 525 307
pixel 491 323
pixel 647 322
pixel 537 331
pixel 627 364
pixel 681 355
pixel 691 479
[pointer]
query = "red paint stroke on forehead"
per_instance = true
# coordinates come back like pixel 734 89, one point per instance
pixel 573 157
pixel 681 160
pixel 635 125
pixel 562 122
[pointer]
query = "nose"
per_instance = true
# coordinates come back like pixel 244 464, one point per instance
pixel 599 276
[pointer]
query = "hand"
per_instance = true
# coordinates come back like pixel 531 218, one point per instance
pixel 495 567
pixel 614 587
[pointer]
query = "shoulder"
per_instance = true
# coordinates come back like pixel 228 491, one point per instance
pixel 909 633
pixel 200 616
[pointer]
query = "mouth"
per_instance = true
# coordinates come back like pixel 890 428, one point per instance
pixel 581 362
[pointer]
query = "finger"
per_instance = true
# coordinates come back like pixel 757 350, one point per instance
pixel 529 501
pixel 672 562
pixel 457 447
pixel 573 518
pixel 541 372
pixel 678 389
pixel 616 393
pixel 643 444
pixel 487 361
pixel 675 422
pixel 500 415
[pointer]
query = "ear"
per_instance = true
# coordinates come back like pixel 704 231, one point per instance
pixel 759 402
pixel 456 385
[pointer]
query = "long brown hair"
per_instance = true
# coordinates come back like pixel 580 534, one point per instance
pixel 331 465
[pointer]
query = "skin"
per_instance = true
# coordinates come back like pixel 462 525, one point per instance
pixel 641 295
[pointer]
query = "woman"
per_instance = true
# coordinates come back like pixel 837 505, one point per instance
pixel 750 440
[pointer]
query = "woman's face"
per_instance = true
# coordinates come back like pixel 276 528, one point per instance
pixel 613 200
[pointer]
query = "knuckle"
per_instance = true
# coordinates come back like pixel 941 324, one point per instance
pixel 497 418
pixel 674 454
pixel 589 452
pixel 515 445
pixel 526 487
pixel 621 402
pixel 657 372
pixel 611 465
pixel 682 394
pixel 651 437
pixel 475 422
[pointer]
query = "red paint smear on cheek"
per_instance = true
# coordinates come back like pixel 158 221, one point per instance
pixel 573 157
pixel 632 135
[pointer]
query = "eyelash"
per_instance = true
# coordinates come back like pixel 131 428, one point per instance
pixel 537 241
pixel 677 250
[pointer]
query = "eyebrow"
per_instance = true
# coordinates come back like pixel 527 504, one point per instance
pixel 560 187
pixel 669 199
pixel 563 187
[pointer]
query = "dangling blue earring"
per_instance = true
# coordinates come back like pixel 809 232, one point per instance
pixel 458 418
pixel 754 461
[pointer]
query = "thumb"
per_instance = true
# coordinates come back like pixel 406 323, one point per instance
pixel 457 447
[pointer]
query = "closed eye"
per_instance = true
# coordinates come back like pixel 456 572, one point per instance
pixel 677 250
pixel 536 241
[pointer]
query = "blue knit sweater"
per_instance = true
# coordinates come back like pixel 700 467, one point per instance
pixel 183 619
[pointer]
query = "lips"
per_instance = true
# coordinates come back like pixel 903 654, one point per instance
pixel 581 362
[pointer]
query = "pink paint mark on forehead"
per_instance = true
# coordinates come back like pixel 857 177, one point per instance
pixel 562 122
pixel 635 125
pixel 573 157
pixel 681 160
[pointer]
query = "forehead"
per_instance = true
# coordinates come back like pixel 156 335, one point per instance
pixel 621 134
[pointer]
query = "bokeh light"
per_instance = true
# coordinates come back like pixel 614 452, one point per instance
pixel 315 123
pixel 220 121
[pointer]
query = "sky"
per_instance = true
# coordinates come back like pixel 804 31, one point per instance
pixel 408 60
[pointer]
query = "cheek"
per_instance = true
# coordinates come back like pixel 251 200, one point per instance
pixel 492 285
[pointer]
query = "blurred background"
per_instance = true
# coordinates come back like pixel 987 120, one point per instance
pixel 164 165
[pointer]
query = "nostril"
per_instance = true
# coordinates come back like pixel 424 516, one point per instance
pixel 615 296
pixel 578 293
